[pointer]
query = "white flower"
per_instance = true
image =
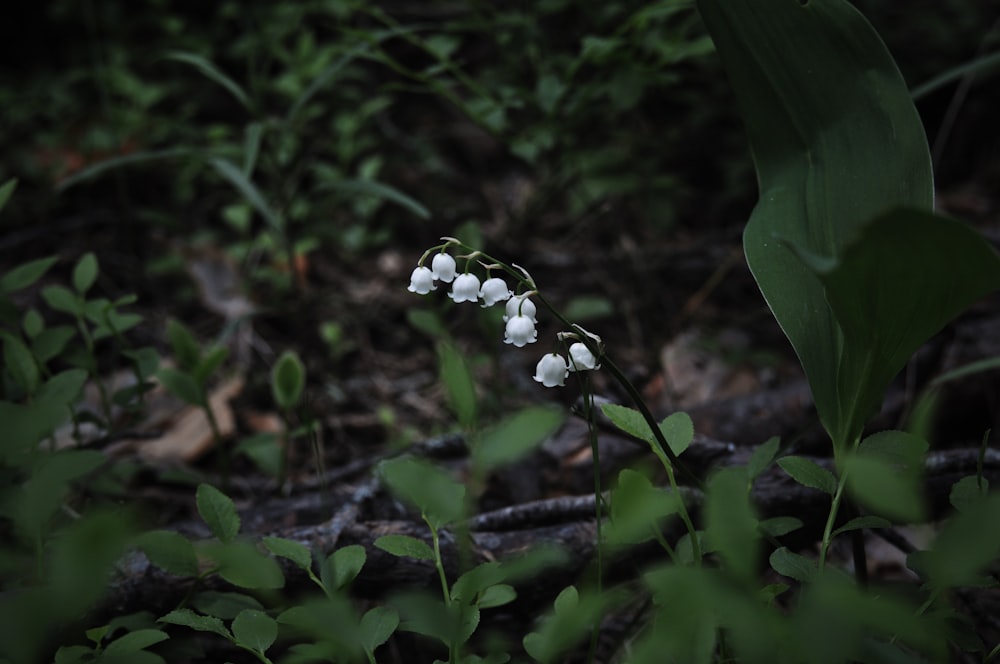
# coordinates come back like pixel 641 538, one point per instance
pixel 551 370
pixel 443 267
pixel 520 305
pixel 520 331
pixel 581 359
pixel 421 281
pixel 494 290
pixel 465 288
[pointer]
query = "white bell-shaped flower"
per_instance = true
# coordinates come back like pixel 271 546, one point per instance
pixel 520 305
pixel 494 290
pixel 421 281
pixel 551 370
pixel 581 359
pixel 465 288
pixel 443 267
pixel 520 331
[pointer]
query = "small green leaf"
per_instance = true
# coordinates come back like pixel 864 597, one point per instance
pixel 218 511
pixel 296 552
pixel 678 429
pixel 438 496
pixel 762 457
pixel 133 642
pixel 170 551
pixel 288 379
pixel 968 491
pixel 85 273
pixel 32 323
pixel 6 190
pixel 477 579
pixel 731 526
pixel 637 507
pixel 883 489
pixel 630 421
pixel 779 525
pixel 404 545
pixel 187 352
pixel 793 565
pixel 20 362
pixel 459 383
pixel 860 522
pixel 377 625
pixel 255 630
pixel 224 605
pixel 346 563
pixel 241 564
pixel 63 299
pixel 967 543
pixel 181 385
pixel 384 192
pixel 495 596
pixel 51 341
pixel 808 473
pixel 213 357
pixel 517 435
pixel 26 274
pixel 188 618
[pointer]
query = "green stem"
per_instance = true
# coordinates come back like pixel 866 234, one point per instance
pixel 588 413
pixel 831 519
pixel 439 565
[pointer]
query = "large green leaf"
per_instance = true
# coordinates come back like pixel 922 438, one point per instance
pixel 906 275
pixel 836 141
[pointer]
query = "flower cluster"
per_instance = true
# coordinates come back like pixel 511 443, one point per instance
pixel 519 317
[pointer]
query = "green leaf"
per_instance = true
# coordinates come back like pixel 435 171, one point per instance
pixel 384 192
pixel 967 543
pixel 377 625
pixel 20 362
pixel 218 511
pixel 346 563
pixel 63 299
pixel 25 274
pixel 187 352
pixel 225 605
pixel 779 525
pixel 6 190
pixel 188 618
pixel 404 545
pixel 459 383
pixel 762 457
pixel 135 641
pixel 731 526
pixel 438 496
pixel 889 298
pixel 251 146
pixel 637 507
pixel 181 385
pixel 630 421
pixel 479 578
pixel 170 551
pixel 877 485
pixel 836 140
pixel 241 564
pixel 101 167
pixel 968 491
pixel 51 341
pixel 678 429
pixel 296 552
pixel 255 630
pixel 288 379
pixel 249 190
pixel 860 522
pixel 808 473
pixel 517 435
pixel 495 596
pixel 214 74
pixel 213 357
pixel 85 273
pixel 793 565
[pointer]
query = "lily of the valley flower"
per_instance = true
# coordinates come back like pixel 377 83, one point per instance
pixel 494 290
pixel 465 288
pixel 520 305
pixel 443 267
pixel 421 281
pixel 551 370
pixel 581 359
pixel 520 331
